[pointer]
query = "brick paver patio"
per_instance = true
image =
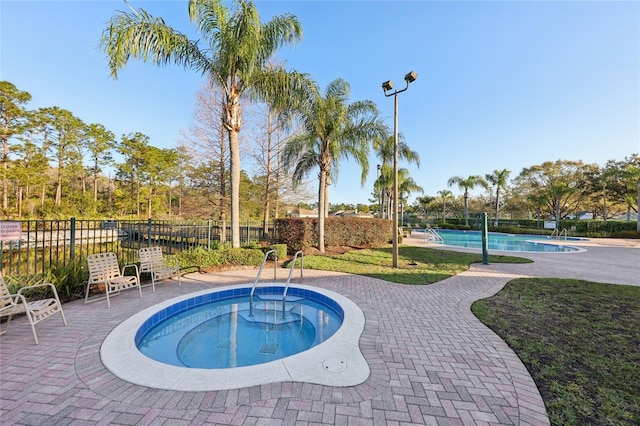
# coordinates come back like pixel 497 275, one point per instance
pixel 432 362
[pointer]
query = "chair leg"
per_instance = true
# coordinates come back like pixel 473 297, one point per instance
pixel 33 327
pixel 6 326
pixel 64 319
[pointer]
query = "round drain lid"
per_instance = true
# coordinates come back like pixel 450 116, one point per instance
pixel 334 365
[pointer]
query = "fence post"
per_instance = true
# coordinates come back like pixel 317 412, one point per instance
pixel 149 232
pixel 209 234
pixel 72 249
pixel 485 240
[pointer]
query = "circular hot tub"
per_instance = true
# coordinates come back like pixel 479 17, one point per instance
pixel 226 339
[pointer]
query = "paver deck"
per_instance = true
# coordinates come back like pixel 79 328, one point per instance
pixel 432 362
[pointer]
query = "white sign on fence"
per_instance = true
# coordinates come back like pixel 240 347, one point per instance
pixel 549 224
pixel 10 231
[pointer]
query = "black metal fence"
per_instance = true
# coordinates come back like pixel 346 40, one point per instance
pixel 44 244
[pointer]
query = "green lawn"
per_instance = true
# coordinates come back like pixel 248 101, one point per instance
pixel 416 265
pixel 579 340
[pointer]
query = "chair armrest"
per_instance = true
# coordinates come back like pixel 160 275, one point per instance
pixel 35 286
pixel 29 287
pixel 16 299
pixel 146 266
pixel 132 265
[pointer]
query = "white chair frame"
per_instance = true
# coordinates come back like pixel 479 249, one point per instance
pixel 104 269
pixel 153 262
pixel 36 311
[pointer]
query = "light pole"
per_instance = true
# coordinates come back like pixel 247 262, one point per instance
pixel 386 86
pixel 380 193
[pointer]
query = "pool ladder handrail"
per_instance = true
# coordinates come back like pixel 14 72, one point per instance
pixel 558 234
pixel 255 283
pixel 286 288
pixel 293 265
pixel 432 235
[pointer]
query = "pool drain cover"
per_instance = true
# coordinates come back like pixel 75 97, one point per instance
pixel 334 365
pixel 269 348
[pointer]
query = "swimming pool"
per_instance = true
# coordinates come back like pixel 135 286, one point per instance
pixel 336 361
pixel 231 329
pixel 506 242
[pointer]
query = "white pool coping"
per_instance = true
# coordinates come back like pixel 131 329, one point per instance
pixel 335 362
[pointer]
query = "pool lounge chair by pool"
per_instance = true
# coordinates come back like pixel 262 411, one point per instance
pixel 36 310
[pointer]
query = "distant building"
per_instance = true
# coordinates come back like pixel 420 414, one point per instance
pixel 298 212
pixel 352 213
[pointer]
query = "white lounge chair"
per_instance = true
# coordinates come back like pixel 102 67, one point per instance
pixel 104 269
pixel 36 310
pixel 153 262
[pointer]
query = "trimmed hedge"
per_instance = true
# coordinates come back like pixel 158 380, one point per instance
pixel 202 258
pixel 301 233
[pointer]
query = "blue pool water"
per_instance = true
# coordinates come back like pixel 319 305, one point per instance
pixel 225 330
pixel 506 242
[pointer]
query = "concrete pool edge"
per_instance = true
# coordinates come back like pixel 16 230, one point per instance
pixel 336 362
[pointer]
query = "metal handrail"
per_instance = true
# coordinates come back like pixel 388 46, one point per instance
pixel 255 283
pixel 558 234
pixel 293 265
pixel 433 233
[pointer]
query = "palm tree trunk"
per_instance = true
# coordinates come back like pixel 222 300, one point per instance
pixel 234 148
pixel 466 208
pixel 326 199
pixel 497 204
pixel 321 204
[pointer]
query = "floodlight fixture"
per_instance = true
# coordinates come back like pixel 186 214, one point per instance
pixel 410 77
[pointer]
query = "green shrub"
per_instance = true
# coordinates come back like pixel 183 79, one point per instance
pixel 281 250
pixel 201 258
pixel 70 279
pixel 300 234
pixel 297 234
pixel 626 234
pixel 460 226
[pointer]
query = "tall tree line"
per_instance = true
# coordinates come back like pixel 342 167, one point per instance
pixel 554 189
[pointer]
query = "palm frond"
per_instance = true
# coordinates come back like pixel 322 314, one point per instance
pixel 141 36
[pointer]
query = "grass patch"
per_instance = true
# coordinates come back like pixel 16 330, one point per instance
pixel 416 265
pixel 579 340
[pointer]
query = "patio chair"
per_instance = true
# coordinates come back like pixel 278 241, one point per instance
pixel 104 269
pixel 153 262
pixel 36 310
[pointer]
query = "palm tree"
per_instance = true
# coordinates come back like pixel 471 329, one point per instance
pixel 406 185
pixel 499 179
pixel 332 129
pixel 467 184
pixel 424 204
pixel 233 52
pixel 384 148
pixel 445 195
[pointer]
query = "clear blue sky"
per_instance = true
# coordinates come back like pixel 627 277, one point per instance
pixel 501 84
